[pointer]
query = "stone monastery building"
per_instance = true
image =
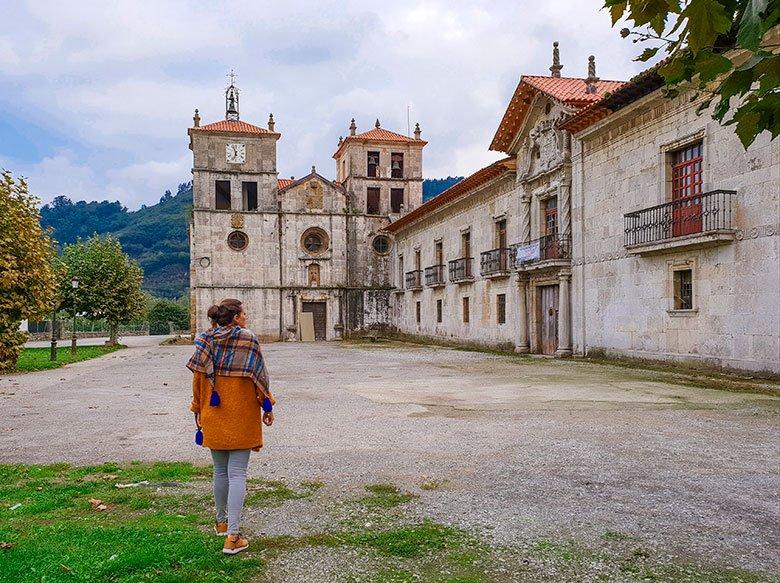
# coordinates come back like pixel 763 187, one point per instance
pixel 619 222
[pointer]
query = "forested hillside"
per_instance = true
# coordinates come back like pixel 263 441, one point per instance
pixel 156 236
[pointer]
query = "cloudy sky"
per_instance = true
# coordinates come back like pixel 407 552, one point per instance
pixel 96 97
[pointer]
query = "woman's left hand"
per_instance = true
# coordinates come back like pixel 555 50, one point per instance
pixel 268 418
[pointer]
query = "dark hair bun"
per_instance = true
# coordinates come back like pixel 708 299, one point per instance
pixel 213 311
pixel 226 311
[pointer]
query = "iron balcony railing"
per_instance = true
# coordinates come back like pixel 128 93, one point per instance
pixel 460 269
pixel 494 262
pixel 700 213
pixel 434 275
pixel 414 279
pixel 547 248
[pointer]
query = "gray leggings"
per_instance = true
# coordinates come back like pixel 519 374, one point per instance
pixel 230 485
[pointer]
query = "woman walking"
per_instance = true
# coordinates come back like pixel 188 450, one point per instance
pixel 231 400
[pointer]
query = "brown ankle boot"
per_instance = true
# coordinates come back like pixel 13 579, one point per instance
pixel 234 544
pixel 220 529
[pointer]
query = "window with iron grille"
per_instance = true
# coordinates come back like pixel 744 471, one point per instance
pixel 466 310
pixel 373 164
pixel 438 311
pixel 418 312
pixel 501 308
pixel 683 289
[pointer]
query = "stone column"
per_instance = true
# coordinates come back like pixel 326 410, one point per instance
pixel 523 346
pixel 525 216
pixel 564 314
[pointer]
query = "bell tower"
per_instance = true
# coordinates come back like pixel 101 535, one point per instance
pixel 231 99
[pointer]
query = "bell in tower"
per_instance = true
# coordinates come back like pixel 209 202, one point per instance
pixel 231 99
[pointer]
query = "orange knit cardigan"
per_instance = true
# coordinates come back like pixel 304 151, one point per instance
pixel 237 422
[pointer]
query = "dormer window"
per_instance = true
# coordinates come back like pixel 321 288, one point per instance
pixel 397 165
pixel 373 165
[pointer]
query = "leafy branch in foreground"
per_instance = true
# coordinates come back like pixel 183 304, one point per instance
pixel 728 49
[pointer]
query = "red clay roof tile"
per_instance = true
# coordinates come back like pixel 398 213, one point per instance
pixel 568 90
pixel 233 127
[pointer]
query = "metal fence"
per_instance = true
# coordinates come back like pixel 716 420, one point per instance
pixel 700 213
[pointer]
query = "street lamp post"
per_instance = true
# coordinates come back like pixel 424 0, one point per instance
pixel 74 283
pixel 53 354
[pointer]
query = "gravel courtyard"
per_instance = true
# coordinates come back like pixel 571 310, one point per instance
pixel 518 448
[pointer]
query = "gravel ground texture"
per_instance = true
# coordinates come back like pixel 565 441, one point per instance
pixel 515 448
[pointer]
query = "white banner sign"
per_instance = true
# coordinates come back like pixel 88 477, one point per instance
pixel 528 252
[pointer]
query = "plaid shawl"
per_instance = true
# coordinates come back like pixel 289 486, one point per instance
pixel 230 351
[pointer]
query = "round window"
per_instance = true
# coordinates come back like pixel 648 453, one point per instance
pixel 237 241
pixel 381 244
pixel 314 241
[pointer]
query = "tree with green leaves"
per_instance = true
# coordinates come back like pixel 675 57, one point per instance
pixel 727 50
pixel 164 311
pixel 28 281
pixel 109 282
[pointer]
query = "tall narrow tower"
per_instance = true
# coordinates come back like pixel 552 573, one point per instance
pixel 234 187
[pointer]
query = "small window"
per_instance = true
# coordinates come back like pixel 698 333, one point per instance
pixel 683 289
pixel 222 201
pixel 550 209
pixel 314 241
pixel 381 244
pixel 238 241
pixel 249 195
pixel 501 308
pixel 396 165
pixel 438 311
pixel 466 310
pixel 372 201
pixel 373 165
pixel 418 312
pixel 401 272
pixel 396 200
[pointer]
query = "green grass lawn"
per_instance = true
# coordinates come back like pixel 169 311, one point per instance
pixel 32 359
pixel 159 529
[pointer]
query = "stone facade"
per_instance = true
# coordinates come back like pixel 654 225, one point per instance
pixel 438 238
pixel 608 252
pixel 623 299
pixel 284 247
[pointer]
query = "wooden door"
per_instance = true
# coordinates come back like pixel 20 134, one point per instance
pixel 501 244
pixel 548 321
pixel 686 191
pixel 318 311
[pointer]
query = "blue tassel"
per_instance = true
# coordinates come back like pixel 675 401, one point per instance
pixel 267 406
pixel 199 437
pixel 214 401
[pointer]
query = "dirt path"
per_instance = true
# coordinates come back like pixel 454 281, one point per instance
pixel 522 447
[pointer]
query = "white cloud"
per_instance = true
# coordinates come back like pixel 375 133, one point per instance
pixel 121 79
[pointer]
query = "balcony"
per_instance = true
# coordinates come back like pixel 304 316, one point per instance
pixel 434 276
pixel 460 270
pixel 495 263
pixel 701 220
pixel 545 252
pixel 413 280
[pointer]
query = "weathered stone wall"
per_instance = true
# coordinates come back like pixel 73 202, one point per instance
pixel 623 303
pixel 478 213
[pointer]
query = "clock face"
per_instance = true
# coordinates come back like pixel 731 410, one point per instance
pixel 235 153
